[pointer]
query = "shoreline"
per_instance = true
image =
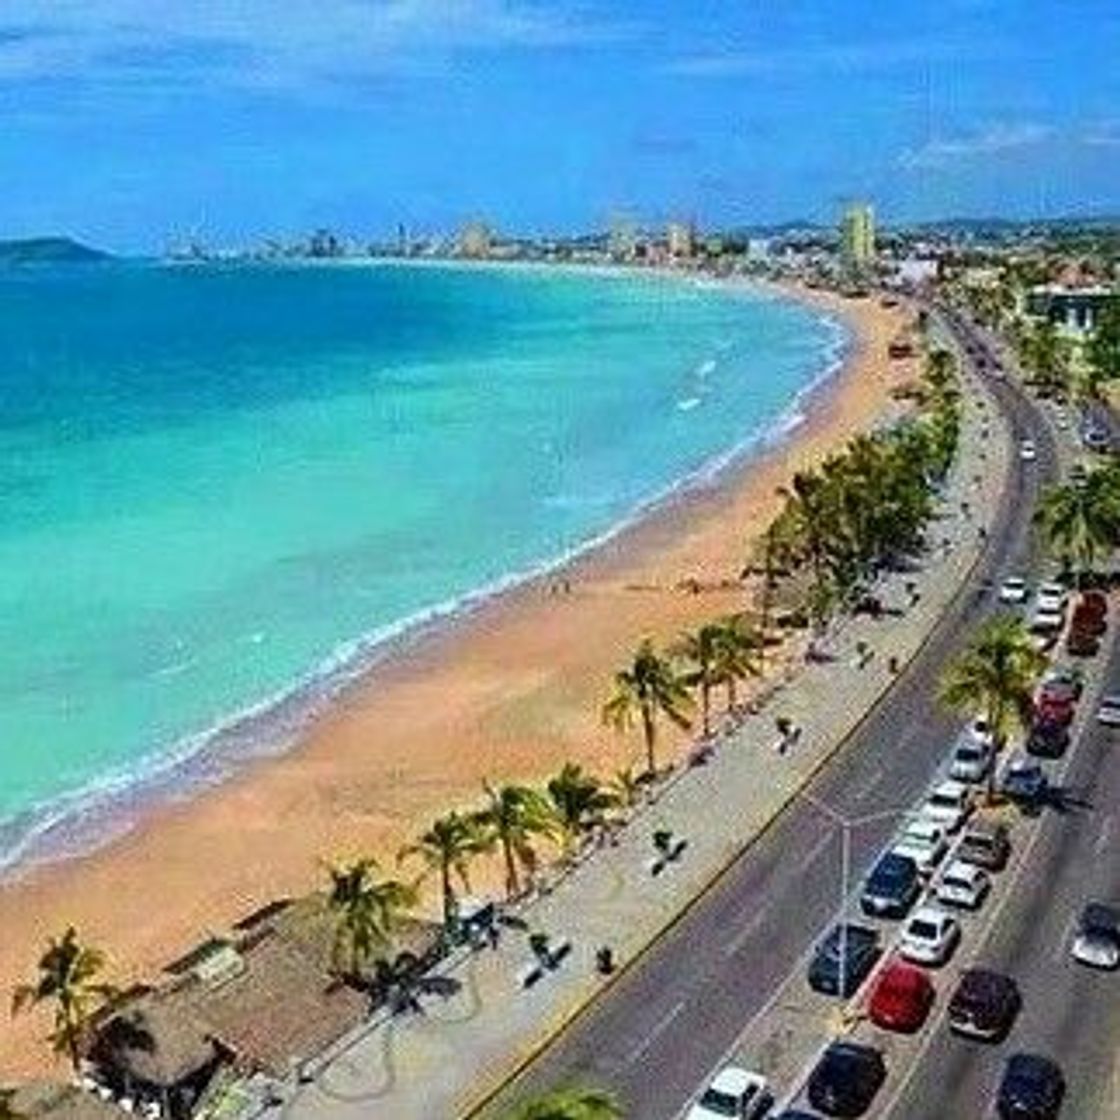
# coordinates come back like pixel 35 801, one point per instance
pixel 500 690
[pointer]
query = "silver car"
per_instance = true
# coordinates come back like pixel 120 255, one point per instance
pixel 1097 941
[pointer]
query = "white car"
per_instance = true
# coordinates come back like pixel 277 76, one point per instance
pixel 963 884
pixel 1046 621
pixel 734 1092
pixel 1051 597
pixel 1013 590
pixel 1027 451
pixel 1109 711
pixel 979 731
pixel 924 842
pixel 1097 941
pixel 930 936
pixel 971 760
pixel 948 805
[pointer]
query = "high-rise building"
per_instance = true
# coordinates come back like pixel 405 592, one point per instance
pixel 682 239
pixel 623 239
pixel 475 240
pixel 857 237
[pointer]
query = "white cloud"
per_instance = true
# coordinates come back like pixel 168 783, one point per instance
pixel 282 43
pixel 996 139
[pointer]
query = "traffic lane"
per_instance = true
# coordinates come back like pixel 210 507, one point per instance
pixel 654 1036
pixel 1069 1011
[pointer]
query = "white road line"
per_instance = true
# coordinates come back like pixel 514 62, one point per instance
pixel 662 1025
pixel 873 779
pixel 1105 835
pixel 745 934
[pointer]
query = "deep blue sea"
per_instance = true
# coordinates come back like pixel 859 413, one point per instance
pixel 223 487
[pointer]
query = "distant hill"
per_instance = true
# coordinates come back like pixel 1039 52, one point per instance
pixel 48 250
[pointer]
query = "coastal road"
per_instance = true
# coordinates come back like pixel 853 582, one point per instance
pixel 654 1037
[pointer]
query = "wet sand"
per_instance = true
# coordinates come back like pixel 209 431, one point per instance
pixel 510 692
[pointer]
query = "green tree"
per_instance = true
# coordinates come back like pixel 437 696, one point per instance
pixel 700 651
pixel 738 655
pixel 515 816
pixel 7 1105
pixel 626 787
pixel 447 849
pixel 579 801
pixel 1102 352
pixel 994 677
pixel 1080 521
pixel 69 979
pixel 368 912
pixel 568 1104
pixel 648 688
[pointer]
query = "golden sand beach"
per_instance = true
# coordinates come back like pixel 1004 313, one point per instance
pixel 510 692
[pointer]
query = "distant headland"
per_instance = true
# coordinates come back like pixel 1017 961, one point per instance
pixel 48 250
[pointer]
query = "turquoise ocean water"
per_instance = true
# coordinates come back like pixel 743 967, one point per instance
pixel 222 488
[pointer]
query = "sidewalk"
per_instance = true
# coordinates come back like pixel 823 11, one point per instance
pixel 441 1064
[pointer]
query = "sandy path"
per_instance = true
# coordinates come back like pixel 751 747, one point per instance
pixel 511 692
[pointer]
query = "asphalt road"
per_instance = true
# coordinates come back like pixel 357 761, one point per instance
pixel 1070 1013
pixel 654 1037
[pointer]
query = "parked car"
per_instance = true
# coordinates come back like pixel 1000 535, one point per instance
pixel 734 1092
pixel 985 843
pixel 892 887
pixel 1052 596
pixel 924 842
pixel 901 997
pixel 971 760
pixel 1046 622
pixel 1027 451
pixel 846 1079
pixel 858 948
pixel 979 730
pixel 1013 590
pixel 1025 783
pixel 1048 738
pixel 948 804
pixel 1109 711
pixel 963 884
pixel 984 1004
pixel 1097 940
pixel 930 936
pixel 1096 439
pixel 1032 1088
pixel 1055 703
pixel 1071 676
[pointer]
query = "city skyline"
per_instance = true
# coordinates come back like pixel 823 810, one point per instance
pixel 130 125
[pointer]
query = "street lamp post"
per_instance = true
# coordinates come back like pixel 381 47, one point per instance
pixel 847 825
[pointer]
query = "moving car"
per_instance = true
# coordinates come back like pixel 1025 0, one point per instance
pixel 1027 451
pixel 924 842
pixel 1048 738
pixel 1032 1088
pixel 984 1004
pixel 963 884
pixel 846 1079
pixel 971 759
pixel 985 844
pixel 734 1092
pixel 948 805
pixel 930 936
pixel 849 951
pixel 892 887
pixel 1013 590
pixel 1025 783
pixel 1109 711
pixel 1097 941
pixel 901 997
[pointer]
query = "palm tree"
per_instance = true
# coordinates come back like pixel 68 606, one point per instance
pixel 568 1104
pixel 700 650
pixel 995 677
pixel 368 910
pixel 7 1108
pixel 68 978
pixel 738 655
pixel 649 687
pixel 447 849
pixel 579 800
pixel 1081 521
pixel 513 816
pixel 626 787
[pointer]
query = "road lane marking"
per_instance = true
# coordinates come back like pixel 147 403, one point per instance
pixel 659 1028
pixel 1105 835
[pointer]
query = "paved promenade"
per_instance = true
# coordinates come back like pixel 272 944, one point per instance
pixel 443 1063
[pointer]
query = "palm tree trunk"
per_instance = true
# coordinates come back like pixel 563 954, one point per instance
pixel 650 731
pixel 448 898
pixel 732 694
pixel 511 867
pixel 706 701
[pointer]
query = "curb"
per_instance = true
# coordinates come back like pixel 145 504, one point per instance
pixel 474 1110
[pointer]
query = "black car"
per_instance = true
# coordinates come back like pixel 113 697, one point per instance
pixel 892 887
pixel 1032 1088
pixel 984 1004
pixel 1025 783
pixel 1048 738
pixel 846 1079
pixel 856 946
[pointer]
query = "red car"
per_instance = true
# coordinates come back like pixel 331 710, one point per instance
pixel 1052 708
pixel 901 997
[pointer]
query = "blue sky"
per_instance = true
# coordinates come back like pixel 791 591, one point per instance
pixel 129 122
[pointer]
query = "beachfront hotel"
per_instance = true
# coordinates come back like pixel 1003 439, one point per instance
pixel 681 238
pixel 857 237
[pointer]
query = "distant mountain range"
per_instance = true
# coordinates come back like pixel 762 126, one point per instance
pixel 48 250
